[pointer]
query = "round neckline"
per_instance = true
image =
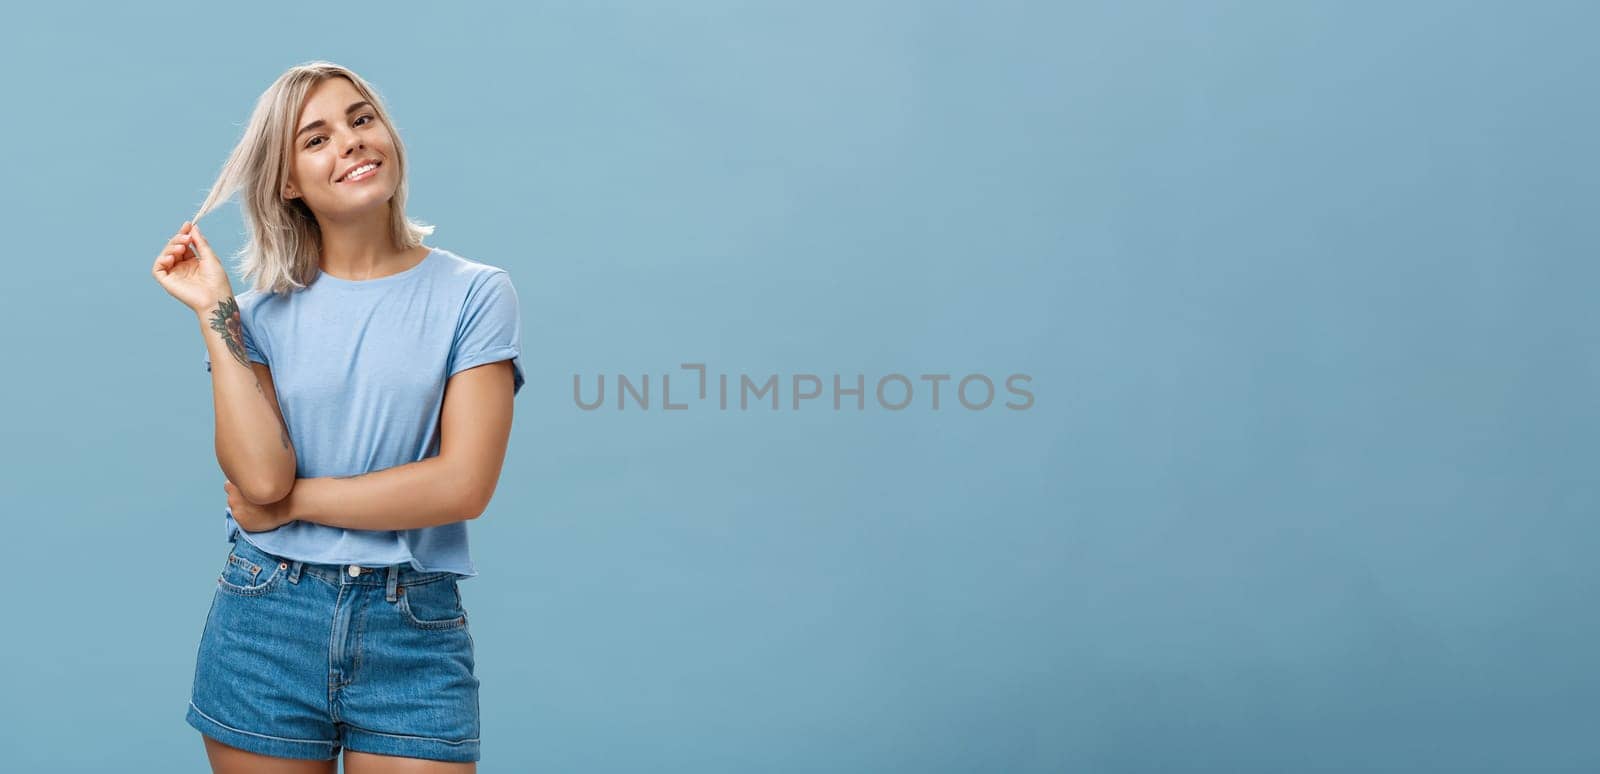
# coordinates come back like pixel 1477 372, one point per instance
pixel 384 280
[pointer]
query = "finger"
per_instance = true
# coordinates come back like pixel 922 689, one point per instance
pixel 200 242
pixel 180 247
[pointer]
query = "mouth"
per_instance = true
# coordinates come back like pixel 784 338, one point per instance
pixel 359 172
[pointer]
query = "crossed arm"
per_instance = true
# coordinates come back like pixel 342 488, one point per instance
pixel 474 430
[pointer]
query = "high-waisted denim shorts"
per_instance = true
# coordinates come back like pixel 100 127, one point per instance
pixel 298 660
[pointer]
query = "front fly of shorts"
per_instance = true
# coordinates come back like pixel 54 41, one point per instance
pixel 298 660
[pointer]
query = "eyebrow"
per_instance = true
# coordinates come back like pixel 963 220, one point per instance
pixel 319 122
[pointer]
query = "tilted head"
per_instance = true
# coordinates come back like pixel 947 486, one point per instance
pixel 312 126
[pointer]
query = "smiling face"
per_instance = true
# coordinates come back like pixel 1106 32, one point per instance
pixel 339 132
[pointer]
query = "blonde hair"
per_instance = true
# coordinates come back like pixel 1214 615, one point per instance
pixel 284 237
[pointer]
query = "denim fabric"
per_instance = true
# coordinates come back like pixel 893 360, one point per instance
pixel 298 660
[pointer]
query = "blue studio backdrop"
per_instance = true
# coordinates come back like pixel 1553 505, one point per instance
pixel 1299 294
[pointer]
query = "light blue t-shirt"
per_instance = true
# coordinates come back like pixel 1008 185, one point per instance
pixel 360 368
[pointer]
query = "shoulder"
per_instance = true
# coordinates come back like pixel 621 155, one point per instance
pixel 257 299
pixel 468 271
pixel 473 282
pixel 250 301
pixel 257 306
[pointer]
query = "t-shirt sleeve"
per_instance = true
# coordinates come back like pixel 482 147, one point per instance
pixel 490 328
pixel 250 349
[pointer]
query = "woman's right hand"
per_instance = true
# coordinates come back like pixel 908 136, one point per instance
pixel 189 271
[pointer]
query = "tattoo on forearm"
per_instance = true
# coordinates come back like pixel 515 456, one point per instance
pixel 225 321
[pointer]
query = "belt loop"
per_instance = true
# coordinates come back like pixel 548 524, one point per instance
pixel 294 571
pixel 392 583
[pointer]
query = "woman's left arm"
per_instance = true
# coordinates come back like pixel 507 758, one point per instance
pixel 457 484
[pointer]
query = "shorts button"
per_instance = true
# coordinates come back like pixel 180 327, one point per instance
pixel 354 570
pixel 283 565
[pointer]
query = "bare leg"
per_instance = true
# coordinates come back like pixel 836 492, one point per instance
pixel 367 763
pixel 232 760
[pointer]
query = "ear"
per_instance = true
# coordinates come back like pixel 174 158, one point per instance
pixel 290 192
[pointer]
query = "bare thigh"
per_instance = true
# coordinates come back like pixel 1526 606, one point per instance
pixel 368 763
pixel 232 760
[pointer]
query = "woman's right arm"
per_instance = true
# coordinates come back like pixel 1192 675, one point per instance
pixel 252 444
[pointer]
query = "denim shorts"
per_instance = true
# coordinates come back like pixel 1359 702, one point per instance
pixel 298 660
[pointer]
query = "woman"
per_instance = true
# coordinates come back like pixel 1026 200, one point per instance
pixel 363 390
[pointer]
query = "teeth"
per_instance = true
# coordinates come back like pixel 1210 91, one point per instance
pixel 358 171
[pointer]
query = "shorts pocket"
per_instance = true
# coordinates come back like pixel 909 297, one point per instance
pixel 246 578
pixel 432 605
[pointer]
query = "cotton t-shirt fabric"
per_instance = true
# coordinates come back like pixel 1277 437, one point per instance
pixel 360 368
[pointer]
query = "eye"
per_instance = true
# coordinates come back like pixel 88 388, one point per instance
pixel 312 143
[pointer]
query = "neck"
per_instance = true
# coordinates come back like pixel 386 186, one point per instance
pixel 360 248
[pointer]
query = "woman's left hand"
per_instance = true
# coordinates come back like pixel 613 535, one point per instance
pixel 256 518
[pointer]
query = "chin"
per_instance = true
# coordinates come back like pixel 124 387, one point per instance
pixel 353 205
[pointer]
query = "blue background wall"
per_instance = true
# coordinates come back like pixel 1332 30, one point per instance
pixel 1305 291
